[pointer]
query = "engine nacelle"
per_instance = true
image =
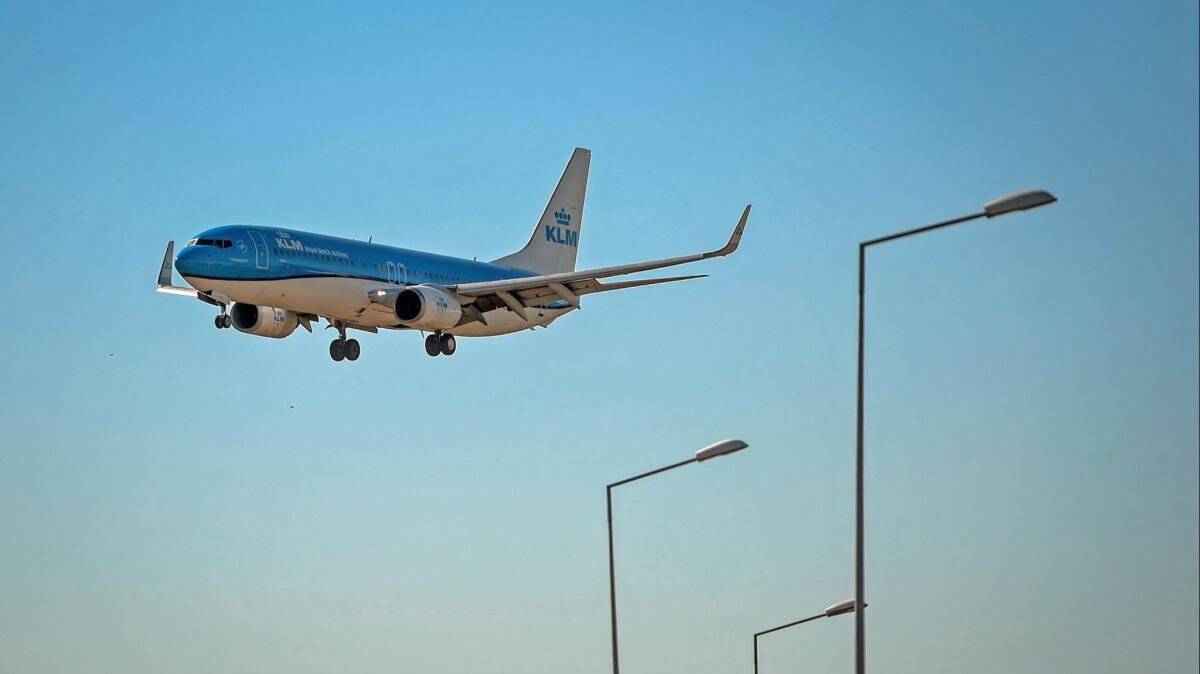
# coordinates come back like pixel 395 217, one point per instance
pixel 427 308
pixel 263 321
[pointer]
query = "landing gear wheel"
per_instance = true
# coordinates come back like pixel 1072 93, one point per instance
pixel 219 321
pixel 337 350
pixel 226 321
pixel 352 349
pixel 433 345
pixel 447 345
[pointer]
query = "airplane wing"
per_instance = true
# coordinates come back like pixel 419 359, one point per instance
pixel 518 293
pixel 530 291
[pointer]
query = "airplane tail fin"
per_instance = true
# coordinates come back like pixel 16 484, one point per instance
pixel 555 240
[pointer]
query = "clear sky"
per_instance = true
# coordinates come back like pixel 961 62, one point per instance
pixel 1032 380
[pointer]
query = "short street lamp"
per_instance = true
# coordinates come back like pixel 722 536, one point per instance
pixel 710 452
pixel 839 608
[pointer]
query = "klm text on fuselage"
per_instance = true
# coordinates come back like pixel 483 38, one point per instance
pixel 564 236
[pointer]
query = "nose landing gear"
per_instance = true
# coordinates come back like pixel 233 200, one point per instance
pixel 443 343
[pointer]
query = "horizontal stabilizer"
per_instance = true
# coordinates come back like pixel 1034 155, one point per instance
pixel 604 287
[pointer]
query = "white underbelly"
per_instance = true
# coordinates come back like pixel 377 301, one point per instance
pixel 345 299
pixel 337 297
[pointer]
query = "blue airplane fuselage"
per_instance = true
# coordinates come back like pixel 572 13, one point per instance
pixel 254 253
pixel 327 276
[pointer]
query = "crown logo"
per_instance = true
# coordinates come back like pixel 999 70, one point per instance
pixel 562 217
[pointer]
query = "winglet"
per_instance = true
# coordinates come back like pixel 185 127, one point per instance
pixel 164 272
pixel 734 239
pixel 165 286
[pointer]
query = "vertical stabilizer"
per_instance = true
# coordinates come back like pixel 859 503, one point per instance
pixel 555 240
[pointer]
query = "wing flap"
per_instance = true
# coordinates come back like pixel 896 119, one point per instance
pixel 545 295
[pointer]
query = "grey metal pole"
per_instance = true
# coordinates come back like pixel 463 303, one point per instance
pixel 860 599
pixel 860 637
pixel 612 585
pixel 1021 201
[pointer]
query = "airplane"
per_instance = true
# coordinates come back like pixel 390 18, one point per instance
pixel 267 281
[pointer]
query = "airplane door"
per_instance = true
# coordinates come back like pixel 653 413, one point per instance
pixel 391 272
pixel 401 274
pixel 260 250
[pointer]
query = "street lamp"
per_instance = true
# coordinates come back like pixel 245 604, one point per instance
pixel 710 452
pixel 839 608
pixel 1021 201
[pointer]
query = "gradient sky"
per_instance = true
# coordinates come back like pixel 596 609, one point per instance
pixel 1031 386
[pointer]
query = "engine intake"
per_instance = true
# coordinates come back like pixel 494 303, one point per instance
pixel 263 321
pixel 427 308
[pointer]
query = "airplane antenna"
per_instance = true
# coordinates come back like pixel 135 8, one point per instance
pixel 370 237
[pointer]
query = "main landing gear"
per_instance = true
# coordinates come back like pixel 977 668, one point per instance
pixel 443 343
pixel 223 320
pixel 342 348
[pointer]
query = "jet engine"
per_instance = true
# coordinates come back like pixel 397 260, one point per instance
pixel 427 308
pixel 263 321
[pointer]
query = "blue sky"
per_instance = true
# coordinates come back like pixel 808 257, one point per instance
pixel 1031 386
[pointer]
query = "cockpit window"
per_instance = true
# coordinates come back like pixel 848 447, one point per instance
pixel 218 243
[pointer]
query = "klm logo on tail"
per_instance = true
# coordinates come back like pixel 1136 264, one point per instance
pixel 562 234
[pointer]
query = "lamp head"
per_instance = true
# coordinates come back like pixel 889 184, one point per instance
pixel 1021 201
pixel 720 449
pixel 840 608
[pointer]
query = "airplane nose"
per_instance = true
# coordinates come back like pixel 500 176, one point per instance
pixel 186 261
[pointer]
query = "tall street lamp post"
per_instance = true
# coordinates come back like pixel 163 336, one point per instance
pixel 1021 201
pixel 830 611
pixel 710 452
